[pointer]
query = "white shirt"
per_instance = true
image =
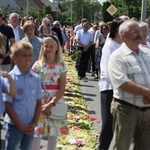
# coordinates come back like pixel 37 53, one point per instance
pixel 145 46
pixel 126 65
pixel 109 47
pixel 84 37
pixel 148 37
pixel 16 32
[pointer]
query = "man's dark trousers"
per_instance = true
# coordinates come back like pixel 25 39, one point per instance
pixel 85 55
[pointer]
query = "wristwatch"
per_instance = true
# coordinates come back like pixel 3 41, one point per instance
pixel 52 102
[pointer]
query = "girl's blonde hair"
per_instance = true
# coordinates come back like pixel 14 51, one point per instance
pixel 58 56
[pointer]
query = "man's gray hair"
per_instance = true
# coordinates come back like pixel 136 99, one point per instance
pixel 13 14
pixel 124 27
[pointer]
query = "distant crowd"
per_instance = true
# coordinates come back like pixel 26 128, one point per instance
pixel 117 54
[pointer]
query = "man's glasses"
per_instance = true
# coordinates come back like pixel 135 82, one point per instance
pixel 134 32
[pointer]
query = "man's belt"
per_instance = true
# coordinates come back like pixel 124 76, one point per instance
pixel 131 105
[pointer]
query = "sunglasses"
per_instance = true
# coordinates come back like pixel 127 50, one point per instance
pixel 105 29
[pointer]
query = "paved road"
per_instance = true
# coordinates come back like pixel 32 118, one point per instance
pixel 91 94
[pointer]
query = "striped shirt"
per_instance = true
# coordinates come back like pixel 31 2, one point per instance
pixel 124 65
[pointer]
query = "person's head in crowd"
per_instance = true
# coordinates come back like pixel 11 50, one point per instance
pixel 46 22
pixel 52 42
pixel 100 24
pixel 49 17
pixel 95 27
pixel 20 49
pixel 14 19
pixel 129 32
pixel 44 30
pixel 85 26
pixel 115 27
pixel 124 17
pixel 56 23
pixel 148 22
pixel 37 22
pixel 83 20
pixel 134 18
pixel 29 29
pixel 104 29
pixel 25 18
pixel 20 20
pixel 2 18
pixel 109 23
pixel 31 19
pixel 96 23
pixel 144 31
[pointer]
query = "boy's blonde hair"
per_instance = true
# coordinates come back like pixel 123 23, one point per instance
pixel 20 46
pixel 58 57
pixel 1 39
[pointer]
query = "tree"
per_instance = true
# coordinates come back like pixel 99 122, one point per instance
pixel 46 10
pixel 130 8
pixel 80 9
pixel 32 12
pixel 106 17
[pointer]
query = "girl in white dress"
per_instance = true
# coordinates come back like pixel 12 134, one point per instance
pixel 54 70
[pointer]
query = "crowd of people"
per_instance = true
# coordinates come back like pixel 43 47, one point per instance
pixel 124 85
pixel 33 79
pixel 116 53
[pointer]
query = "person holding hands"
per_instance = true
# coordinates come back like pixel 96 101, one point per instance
pixel 22 110
pixel 52 70
pixel 129 72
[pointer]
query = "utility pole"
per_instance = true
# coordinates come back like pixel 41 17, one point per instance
pixel 71 12
pixel 57 8
pixel 82 12
pixel 27 8
pixel 144 10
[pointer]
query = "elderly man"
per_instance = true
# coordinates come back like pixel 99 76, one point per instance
pixel 129 72
pixel 14 23
pixel 144 32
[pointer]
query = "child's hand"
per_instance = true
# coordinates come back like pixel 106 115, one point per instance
pixel 27 129
pixel 5 75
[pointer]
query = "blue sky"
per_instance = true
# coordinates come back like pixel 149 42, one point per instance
pixel 101 1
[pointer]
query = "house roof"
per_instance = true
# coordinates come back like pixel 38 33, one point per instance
pixel 39 3
pixel 54 5
pixel 23 4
